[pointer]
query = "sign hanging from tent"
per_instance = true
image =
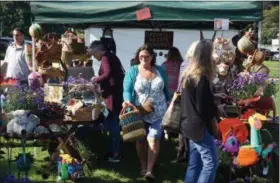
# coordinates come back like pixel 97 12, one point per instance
pixel 221 24
pixel 159 40
pixel 143 14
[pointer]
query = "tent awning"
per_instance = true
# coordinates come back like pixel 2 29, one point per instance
pixel 90 12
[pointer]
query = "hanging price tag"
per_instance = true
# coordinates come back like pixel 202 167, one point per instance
pixel 143 14
pixel 265 170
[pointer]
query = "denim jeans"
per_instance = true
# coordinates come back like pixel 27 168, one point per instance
pixel 203 160
pixel 111 124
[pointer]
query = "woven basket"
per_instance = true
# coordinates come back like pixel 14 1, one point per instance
pixel 82 114
pixel 133 127
pixel 89 113
pixel 51 72
pixel 48 51
pixel 258 57
pixel 246 46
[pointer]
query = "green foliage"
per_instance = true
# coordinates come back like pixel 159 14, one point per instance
pixel 272 87
pixel 225 158
pixel 22 98
pixel 15 14
pixel 270 25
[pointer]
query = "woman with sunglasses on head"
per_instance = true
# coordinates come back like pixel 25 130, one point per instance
pixel 146 83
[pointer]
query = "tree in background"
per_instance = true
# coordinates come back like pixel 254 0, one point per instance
pixel 267 5
pixel 14 14
pixel 18 14
pixel 270 24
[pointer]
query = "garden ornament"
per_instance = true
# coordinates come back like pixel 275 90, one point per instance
pixel 249 154
pixel 20 120
pixel 69 168
pixel 232 144
pixel 268 150
pixel 229 126
pixel 223 55
pixel 34 80
pixel 254 63
pixel 23 160
pixel 255 122
pixel 246 45
pixel 35 31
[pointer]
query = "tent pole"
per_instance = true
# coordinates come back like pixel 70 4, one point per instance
pixel 33 54
pixel 259 33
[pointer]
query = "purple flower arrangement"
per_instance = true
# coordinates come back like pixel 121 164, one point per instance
pixel 246 85
pixel 22 97
pixel 77 80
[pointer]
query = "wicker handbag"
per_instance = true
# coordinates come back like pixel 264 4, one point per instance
pixel 133 127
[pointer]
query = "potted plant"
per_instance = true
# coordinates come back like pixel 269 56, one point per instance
pixel 254 90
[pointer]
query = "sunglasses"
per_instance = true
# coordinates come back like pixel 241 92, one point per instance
pixel 144 56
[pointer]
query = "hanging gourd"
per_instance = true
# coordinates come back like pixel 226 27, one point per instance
pixel 35 31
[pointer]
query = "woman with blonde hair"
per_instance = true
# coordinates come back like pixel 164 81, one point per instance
pixel 182 141
pixel 197 113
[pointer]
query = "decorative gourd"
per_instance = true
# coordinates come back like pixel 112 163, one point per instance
pixel 245 45
pixel 35 31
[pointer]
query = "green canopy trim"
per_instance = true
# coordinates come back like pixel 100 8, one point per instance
pixel 90 12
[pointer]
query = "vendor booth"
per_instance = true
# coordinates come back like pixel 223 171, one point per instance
pixel 74 101
pixel 182 19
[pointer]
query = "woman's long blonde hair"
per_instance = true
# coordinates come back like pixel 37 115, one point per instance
pixel 200 63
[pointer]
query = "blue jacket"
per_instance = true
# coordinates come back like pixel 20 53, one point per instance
pixel 130 79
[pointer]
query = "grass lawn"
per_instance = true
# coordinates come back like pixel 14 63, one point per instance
pixel 274 68
pixel 127 171
pixel 274 73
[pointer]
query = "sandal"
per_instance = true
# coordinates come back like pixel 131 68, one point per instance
pixel 143 172
pixel 149 176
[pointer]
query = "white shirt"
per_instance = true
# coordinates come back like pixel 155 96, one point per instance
pixel 17 64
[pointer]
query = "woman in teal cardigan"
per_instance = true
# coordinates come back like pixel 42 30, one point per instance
pixel 145 83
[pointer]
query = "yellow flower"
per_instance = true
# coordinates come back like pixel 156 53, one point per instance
pixel 66 158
